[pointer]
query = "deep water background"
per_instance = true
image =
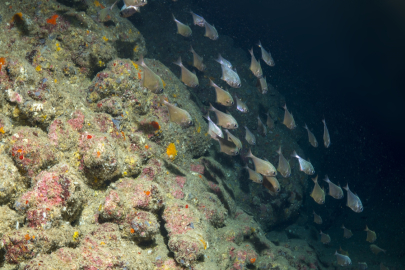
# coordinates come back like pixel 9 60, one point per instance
pixel 345 61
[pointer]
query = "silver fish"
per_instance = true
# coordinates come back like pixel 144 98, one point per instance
pixel 250 137
pixel 198 20
pixel 225 120
pixel 311 137
pixel 213 129
pixel 353 201
pixel 272 184
pixel 325 238
pixel 305 166
pixel 230 76
pixel 269 121
pixel 210 31
pixel 149 79
pixel 266 56
pixel 342 260
pixel 227 147
pixel 254 176
pixel 346 232
pixel 197 60
pixel 182 29
pixel 334 190
pixel 255 65
pixel 318 194
pixel 233 139
pixel 263 167
pixel 223 61
pixel 263 85
pixel 223 97
pixel 326 138
pixel 177 115
pixel 288 118
pixel 240 105
pixel 283 165
pixel 187 77
pixel 317 218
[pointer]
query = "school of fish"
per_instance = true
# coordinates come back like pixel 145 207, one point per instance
pixel 264 173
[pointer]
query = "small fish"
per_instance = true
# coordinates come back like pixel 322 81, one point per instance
pixel 263 167
pixel 149 79
pixel 187 77
pixel 227 147
pixel 254 176
pixel 198 20
pixel 269 121
pixel 353 201
pixel 317 219
pixel 288 119
pixel 272 184
pixel 130 7
pixel 250 137
pixel 233 139
pixel 210 31
pixel 266 56
pixel 311 137
pixel 305 166
pixel 177 115
pixel 262 83
pixel 362 265
pixel 342 260
pixel 318 194
pixel 213 129
pixel 334 190
pixel 230 76
pixel 223 61
pixel 261 128
pixel 223 97
pixel 371 235
pixel 240 105
pixel 225 120
pixel 182 29
pixel 383 267
pixel 197 60
pixel 283 165
pixel 325 238
pixel 376 250
pixel 326 138
pixel 346 232
pixel 255 65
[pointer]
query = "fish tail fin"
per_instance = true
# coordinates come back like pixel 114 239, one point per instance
pixel 315 179
pixel 140 61
pixel 219 59
pixel 294 154
pixel 191 49
pixel 211 108
pixel 336 253
pixel 178 62
pixel 366 229
pixel 279 150
pixel 249 153
pixel 285 107
pixel 323 121
pixel 259 44
pixel 346 187
pixel 251 51
pixel 174 18
pixel 207 116
pixel 326 179
pixel 306 127
pixel 163 100
pixel 343 226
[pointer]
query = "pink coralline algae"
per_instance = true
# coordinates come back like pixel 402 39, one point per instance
pixel 197 168
pixel 31 150
pixel 54 197
pixel 77 120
